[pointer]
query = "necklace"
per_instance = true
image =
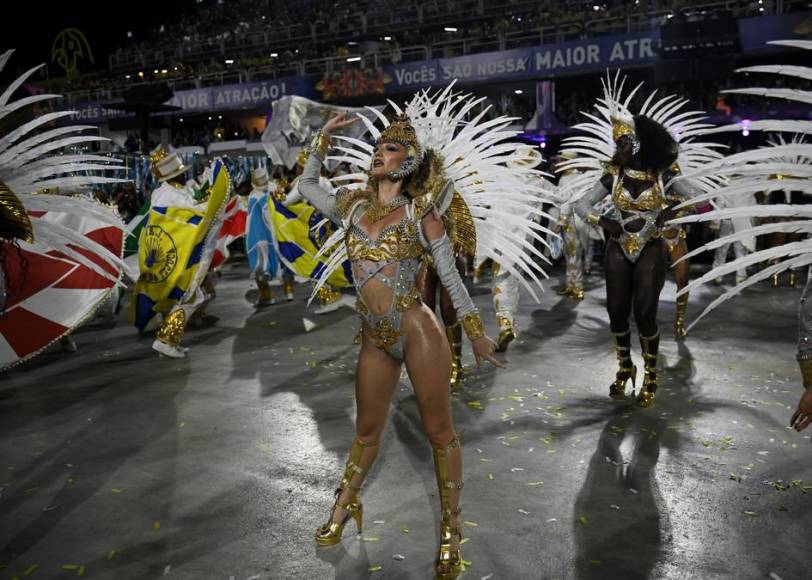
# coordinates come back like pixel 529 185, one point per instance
pixel 378 211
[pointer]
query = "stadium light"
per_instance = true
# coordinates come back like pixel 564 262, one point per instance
pixel 274 54
pixel 164 71
pixel 518 91
pixel 229 61
pixel 450 29
pixel 126 76
pixel 387 38
pixel 354 59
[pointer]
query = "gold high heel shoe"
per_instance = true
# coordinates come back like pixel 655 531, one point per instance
pixel 449 560
pixel 679 321
pixel 454 334
pixel 329 534
pixel 625 368
pixel 650 382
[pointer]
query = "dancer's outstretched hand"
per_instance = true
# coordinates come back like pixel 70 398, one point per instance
pixel 802 417
pixel 337 122
pixel 484 347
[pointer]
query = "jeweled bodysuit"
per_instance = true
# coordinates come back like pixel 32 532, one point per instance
pixel 401 245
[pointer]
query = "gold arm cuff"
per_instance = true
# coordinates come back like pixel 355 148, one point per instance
pixel 805 362
pixel 472 323
pixel 320 145
pixel 593 219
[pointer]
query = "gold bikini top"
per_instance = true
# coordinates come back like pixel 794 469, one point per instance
pixel 400 241
pixel 650 199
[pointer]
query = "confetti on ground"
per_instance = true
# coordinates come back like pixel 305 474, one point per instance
pixel 490 476
pixel 371 539
pixel 156 525
pixel 775 576
pixel 31 569
pixel 167 569
pixel 475 405
pixel 551 520
pixel 50 508
pixel 308 324
pixel 70 566
pixel 404 529
pixel 535 483
pixel 375 568
pixel 515 469
pixel 488 577
pixel 81 571
pixel 117 490
pixel 583 520
pixel 473 524
pixel 379 522
pixel 525 512
pixel 614 507
pixel 399 557
pixel 111 554
pixel 750 513
pixel 483 460
pixel 634 491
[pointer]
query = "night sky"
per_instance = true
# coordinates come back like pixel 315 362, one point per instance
pixel 104 24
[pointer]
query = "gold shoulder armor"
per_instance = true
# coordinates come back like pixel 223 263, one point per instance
pixel 610 168
pixel 346 199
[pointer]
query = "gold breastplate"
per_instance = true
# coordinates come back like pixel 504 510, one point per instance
pixel 397 242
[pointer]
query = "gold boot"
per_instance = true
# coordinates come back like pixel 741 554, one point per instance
pixel 679 321
pixel 454 334
pixel 265 295
pixel 776 276
pixel 649 345
pixel 576 292
pixel 287 288
pixel 565 291
pixel 329 534
pixel 449 560
pixel 506 334
pixel 626 369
